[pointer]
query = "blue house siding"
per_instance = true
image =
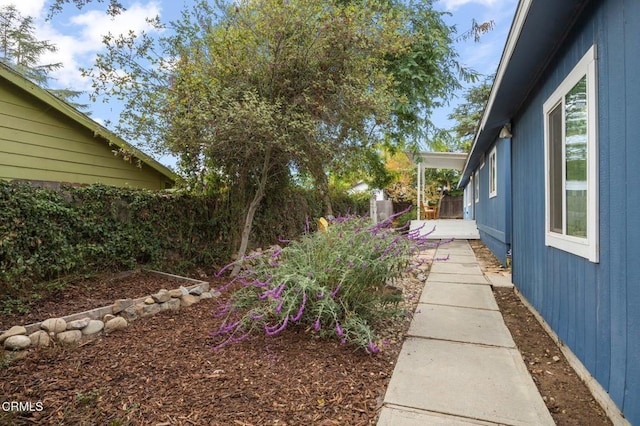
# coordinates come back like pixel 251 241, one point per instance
pixel 593 307
pixel 492 214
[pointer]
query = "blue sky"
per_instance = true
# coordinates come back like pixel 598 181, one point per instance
pixel 78 34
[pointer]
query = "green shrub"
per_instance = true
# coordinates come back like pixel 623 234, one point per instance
pixel 331 281
pixel 50 234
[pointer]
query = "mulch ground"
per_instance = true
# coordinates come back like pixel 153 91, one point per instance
pixel 568 399
pixel 161 369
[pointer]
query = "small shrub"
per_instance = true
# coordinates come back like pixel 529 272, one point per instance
pixel 330 282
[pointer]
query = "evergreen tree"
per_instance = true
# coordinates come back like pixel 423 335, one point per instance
pixel 21 50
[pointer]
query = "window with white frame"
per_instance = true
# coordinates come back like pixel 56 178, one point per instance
pixel 476 186
pixel 571 168
pixel 493 171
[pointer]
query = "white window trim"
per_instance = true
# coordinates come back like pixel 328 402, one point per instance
pixel 584 247
pixel 493 173
pixel 476 186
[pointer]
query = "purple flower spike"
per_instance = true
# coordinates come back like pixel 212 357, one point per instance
pixel 316 325
pixel 339 329
pixel 279 291
pixel 254 316
pixel 350 263
pixel 279 307
pixel 364 265
pixel 320 295
pixel 282 240
pixel 277 328
pixel 343 341
pixel 299 314
pixel 373 348
pixel 338 260
pixel 221 271
pixel 310 275
pixel 334 292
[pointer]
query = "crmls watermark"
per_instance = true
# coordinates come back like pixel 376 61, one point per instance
pixel 22 406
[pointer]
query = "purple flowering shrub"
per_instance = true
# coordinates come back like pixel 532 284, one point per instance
pixel 326 282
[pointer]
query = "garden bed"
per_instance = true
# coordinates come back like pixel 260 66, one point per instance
pixel 161 370
pixel 85 294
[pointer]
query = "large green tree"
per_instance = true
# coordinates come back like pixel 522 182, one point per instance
pixel 467 114
pixel 21 50
pixel 242 92
pixel 247 92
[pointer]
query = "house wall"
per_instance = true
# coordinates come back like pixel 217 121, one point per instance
pixel 594 308
pixel 492 214
pixel 41 144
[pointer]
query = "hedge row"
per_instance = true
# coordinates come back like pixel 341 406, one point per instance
pixel 47 234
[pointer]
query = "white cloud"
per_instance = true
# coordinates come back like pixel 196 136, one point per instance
pixel 79 39
pixel 454 4
pixel 34 8
pixel 96 24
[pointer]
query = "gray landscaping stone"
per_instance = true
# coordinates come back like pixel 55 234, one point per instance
pixel 161 296
pixel 94 326
pixel 16 330
pixel 131 313
pixel 204 286
pixel 206 295
pixel 70 337
pixel 78 324
pixel 17 342
pixel 149 310
pixel 108 317
pixel 149 301
pixel 116 323
pixel 54 325
pixel 188 300
pixel 178 292
pixel 172 305
pixel 40 339
pixel 196 291
pixel 121 304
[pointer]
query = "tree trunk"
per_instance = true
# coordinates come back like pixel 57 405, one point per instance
pixel 251 212
pixel 322 186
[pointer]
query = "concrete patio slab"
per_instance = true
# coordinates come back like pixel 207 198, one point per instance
pixel 453 247
pixel 454 278
pixel 402 416
pixel 461 295
pixel 451 267
pixel 461 325
pixel 465 380
pixel 457 258
pixel 442 229
pixel 499 280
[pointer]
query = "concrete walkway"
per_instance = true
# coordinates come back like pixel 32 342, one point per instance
pixel 444 229
pixel 459 364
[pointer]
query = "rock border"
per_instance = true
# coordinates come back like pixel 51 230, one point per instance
pixel 82 326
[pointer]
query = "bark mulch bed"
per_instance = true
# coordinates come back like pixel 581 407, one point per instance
pixel 161 370
pixel 566 396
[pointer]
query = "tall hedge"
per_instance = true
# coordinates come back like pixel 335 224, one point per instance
pixel 47 234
